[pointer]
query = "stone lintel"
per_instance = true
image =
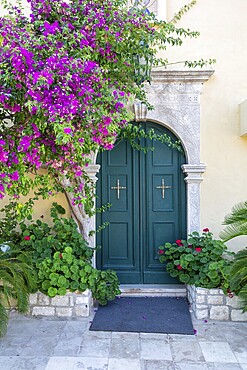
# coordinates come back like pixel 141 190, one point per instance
pixel 190 76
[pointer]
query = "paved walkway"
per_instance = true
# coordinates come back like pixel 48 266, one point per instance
pixel 62 344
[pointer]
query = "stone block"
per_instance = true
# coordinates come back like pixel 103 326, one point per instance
pixel 44 300
pixel 190 288
pixel 202 291
pixel 60 301
pixel 233 302
pixel 43 311
pixel 33 299
pixel 63 311
pixel 201 306
pixel 190 298
pixel 193 306
pixel 82 300
pixel 71 300
pixel 82 311
pixel 87 293
pixel 220 313
pixel 200 298
pixel 237 315
pixel 201 314
pixel 215 291
pixel 215 299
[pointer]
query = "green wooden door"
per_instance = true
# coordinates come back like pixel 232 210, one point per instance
pixel 148 208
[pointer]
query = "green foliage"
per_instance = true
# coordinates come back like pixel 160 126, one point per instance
pixel 182 11
pixel 66 272
pixel 201 261
pixel 136 132
pixel 238 277
pixel 237 226
pixel 61 257
pixel 236 222
pixel 17 280
pixel 45 240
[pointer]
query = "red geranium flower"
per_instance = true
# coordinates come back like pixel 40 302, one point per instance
pixel 198 249
pixel 179 267
pixel 27 237
pixel 178 241
pixel 161 251
pixel 206 230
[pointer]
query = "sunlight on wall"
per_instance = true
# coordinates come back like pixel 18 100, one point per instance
pixel 223 29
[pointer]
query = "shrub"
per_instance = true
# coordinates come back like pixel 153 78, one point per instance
pixel 17 280
pixel 201 260
pixel 236 225
pixel 62 257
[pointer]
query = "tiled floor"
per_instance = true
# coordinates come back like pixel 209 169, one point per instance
pixel 61 344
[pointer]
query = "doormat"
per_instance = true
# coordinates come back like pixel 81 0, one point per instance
pixel 168 315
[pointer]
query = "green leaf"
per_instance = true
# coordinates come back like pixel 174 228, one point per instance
pixel 212 274
pixel 174 273
pixel 52 292
pixel 189 258
pixel 62 291
pixel 184 278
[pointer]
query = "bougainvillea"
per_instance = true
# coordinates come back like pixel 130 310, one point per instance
pixel 67 73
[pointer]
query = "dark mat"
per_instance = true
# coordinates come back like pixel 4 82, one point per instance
pixel 144 315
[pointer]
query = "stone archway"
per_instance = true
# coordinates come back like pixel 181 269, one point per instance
pixel 175 96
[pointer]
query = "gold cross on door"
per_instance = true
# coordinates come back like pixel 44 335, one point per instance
pixel 163 187
pixel 118 188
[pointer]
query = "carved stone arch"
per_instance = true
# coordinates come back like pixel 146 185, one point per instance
pixel 175 96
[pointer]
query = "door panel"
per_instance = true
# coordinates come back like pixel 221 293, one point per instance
pixel 147 196
pixel 116 186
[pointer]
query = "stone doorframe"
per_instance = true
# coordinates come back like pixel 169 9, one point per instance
pixel 175 96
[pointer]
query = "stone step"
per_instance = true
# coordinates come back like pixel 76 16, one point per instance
pixel 167 290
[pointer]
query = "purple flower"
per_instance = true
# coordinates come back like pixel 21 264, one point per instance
pixel 3 155
pixel 107 120
pixel 14 176
pixel 24 143
pixel 51 28
pixel 89 66
pixel 118 106
pixel 67 130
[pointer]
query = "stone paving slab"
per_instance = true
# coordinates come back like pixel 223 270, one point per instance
pixel 67 344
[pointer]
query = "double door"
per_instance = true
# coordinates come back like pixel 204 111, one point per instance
pixel 148 208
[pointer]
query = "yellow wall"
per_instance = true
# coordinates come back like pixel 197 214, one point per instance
pixel 42 208
pixel 223 28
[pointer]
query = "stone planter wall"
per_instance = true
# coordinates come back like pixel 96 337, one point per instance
pixel 70 305
pixel 213 304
